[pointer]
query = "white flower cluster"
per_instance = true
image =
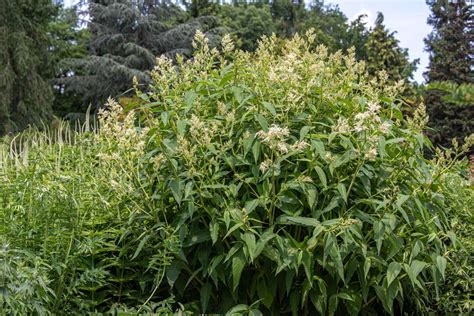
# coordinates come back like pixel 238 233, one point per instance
pixel 274 134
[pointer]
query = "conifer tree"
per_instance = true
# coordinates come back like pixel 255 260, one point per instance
pixel 384 53
pixel 126 38
pixel 450 45
pixel 26 96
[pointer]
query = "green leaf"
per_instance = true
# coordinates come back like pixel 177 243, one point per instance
pixel 189 98
pixel 237 310
pixel 342 190
pixel 413 270
pixel 205 296
pixel 319 147
pixel 367 265
pixel 214 231
pixel 262 121
pixel 177 190
pixel 251 205
pixel 256 151
pixel 238 264
pixel 172 273
pixel 394 269
pixel 140 246
pixel 333 302
pixel 441 264
pixel 266 292
pixel 269 107
pixel 304 131
pixel 311 195
pixel 378 234
pixel 305 221
pixel 322 176
pixel 181 127
pixel 251 244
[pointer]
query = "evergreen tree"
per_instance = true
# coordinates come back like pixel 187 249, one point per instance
pixel 126 37
pixel 26 96
pixel 68 40
pixel 384 53
pixel 451 49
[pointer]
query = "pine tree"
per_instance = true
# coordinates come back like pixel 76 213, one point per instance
pixel 384 53
pixel 26 96
pixel 451 49
pixel 126 38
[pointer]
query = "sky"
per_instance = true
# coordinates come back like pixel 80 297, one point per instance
pixel 407 17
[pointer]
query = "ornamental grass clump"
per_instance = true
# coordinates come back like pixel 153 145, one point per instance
pixel 294 183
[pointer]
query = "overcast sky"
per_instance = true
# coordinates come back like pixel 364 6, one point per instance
pixel 407 17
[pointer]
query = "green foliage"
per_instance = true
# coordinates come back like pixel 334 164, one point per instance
pixel 461 95
pixel 450 46
pixel 383 53
pixel 67 40
pixel 126 37
pixel 249 23
pixel 72 224
pixel 294 184
pixel 456 295
pixel 25 96
pixel 284 181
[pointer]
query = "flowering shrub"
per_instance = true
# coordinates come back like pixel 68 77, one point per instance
pixel 293 183
pixel 285 181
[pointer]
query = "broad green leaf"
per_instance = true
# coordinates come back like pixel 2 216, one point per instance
pixel 393 270
pixel 262 121
pixel 367 265
pixel 342 190
pixel 189 98
pixel 311 195
pixel 441 264
pixel 304 131
pixel 251 244
pixel 172 273
pixel 214 231
pixel 238 264
pixel 333 302
pixel 237 310
pixel 319 147
pixel 269 107
pixel 251 205
pixel 378 235
pixel 181 127
pixel 266 291
pixel 205 295
pixel 306 221
pixel 256 151
pixel 322 176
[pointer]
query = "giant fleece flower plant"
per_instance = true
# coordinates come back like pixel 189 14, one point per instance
pixel 293 182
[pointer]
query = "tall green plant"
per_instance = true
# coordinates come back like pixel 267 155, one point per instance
pixel 294 183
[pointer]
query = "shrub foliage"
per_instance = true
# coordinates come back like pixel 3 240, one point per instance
pixel 285 181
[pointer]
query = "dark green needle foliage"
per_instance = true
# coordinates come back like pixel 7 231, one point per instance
pixel 384 53
pixel 450 45
pixel 26 95
pixel 126 36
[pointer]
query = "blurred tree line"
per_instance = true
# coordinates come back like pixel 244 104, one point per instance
pixel 57 60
